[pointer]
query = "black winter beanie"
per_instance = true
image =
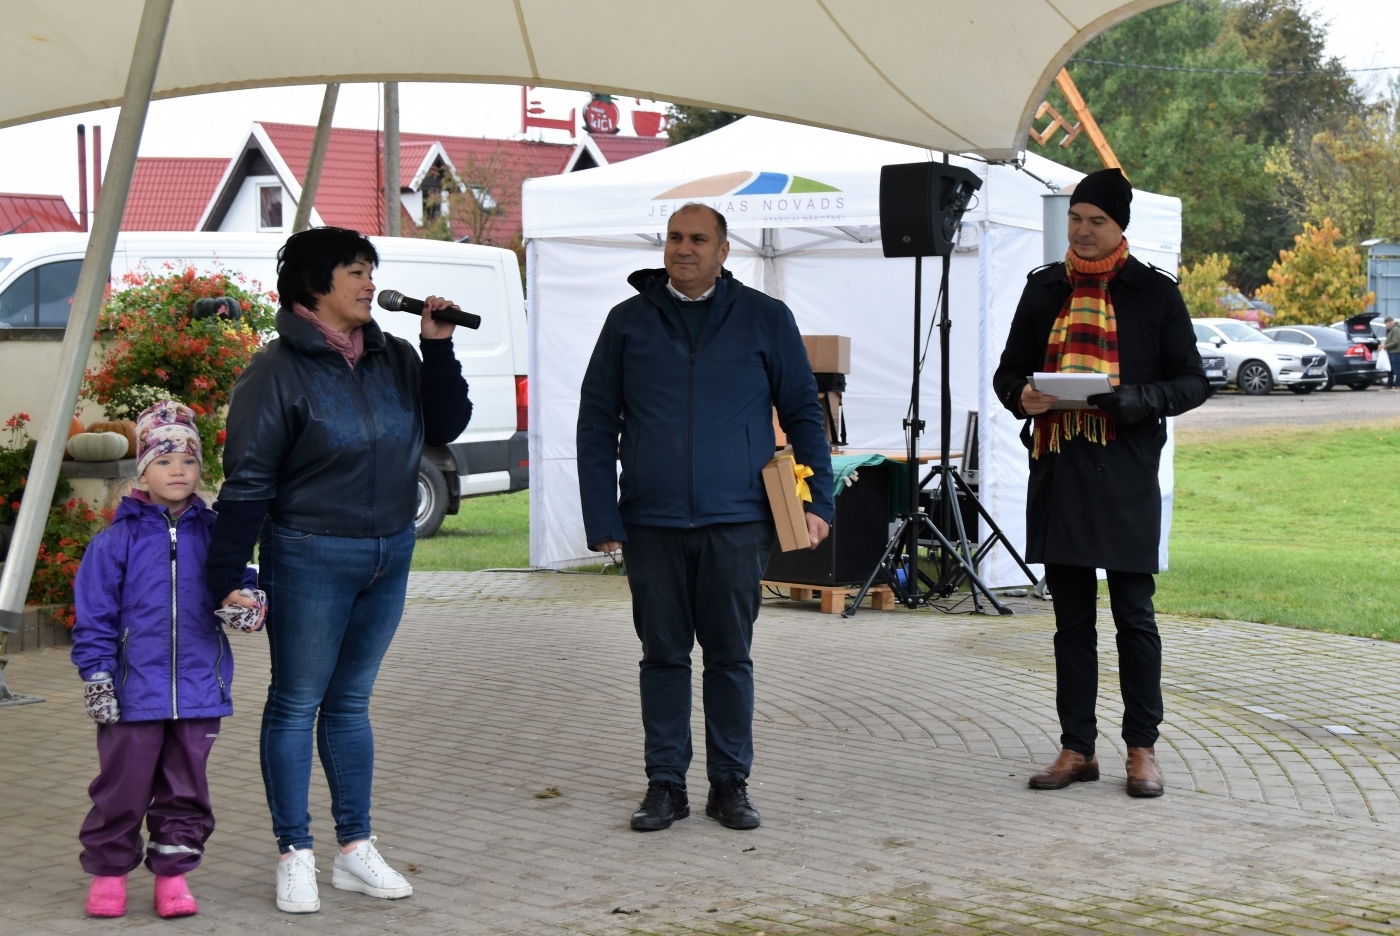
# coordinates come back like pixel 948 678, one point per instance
pixel 1108 190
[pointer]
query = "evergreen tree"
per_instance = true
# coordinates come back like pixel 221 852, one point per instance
pixel 688 122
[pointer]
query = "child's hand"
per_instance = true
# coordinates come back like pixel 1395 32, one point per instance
pixel 244 610
pixel 100 699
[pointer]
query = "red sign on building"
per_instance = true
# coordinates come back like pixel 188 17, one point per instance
pixel 601 116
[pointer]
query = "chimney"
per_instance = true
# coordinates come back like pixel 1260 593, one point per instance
pixel 82 177
pixel 96 166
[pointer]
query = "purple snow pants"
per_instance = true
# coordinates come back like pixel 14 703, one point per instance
pixel 153 770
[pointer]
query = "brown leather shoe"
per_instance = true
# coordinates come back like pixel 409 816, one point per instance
pixel 1069 767
pixel 1144 779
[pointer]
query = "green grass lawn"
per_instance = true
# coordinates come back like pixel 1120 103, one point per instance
pixel 488 533
pixel 1289 526
pixel 1286 526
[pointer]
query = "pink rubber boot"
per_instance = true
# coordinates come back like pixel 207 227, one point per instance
pixel 173 897
pixel 107 896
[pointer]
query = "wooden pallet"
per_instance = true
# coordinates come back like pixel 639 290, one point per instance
pixel 833 597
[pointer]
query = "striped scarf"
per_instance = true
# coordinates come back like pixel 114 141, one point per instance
pixel 1083 340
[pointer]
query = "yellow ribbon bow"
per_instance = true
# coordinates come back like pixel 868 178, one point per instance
pixel 803 473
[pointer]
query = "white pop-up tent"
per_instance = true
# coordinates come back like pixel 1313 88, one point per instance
pixel 803 208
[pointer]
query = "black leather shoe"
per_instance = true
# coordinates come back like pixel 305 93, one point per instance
pixel 729 803
pixel 664 803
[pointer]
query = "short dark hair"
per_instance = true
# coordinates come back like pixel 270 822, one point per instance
pixel 722 224
pixel 306 262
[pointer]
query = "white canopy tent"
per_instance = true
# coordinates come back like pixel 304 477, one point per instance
pixel 803 209
pixel 911 70
pixel 941 73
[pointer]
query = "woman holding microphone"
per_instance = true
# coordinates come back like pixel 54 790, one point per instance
pixel 325 431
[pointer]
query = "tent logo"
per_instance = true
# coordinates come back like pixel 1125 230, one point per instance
pixel 745 183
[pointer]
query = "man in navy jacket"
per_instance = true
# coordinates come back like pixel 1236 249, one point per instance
pixel 681 388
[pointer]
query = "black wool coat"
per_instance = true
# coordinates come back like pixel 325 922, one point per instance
pixel 1100 505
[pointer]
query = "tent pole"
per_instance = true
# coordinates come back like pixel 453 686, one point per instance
pixel 319 143
pixel 87 301
pixel 393 212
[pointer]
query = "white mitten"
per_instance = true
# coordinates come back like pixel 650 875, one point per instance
pixel 244 619
pixel 100 698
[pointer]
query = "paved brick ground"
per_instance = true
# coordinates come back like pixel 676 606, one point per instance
pixel 892 756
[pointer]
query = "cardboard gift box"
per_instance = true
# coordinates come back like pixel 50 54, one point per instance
pixel 780 480
pixel 829 354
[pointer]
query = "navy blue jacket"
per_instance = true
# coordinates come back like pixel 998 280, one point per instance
pixel 695 420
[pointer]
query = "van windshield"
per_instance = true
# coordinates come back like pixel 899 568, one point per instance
pixel 1238 331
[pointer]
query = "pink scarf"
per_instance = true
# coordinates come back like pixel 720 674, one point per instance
pixel 350 346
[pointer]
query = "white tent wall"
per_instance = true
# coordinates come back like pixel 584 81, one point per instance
pixel 833 286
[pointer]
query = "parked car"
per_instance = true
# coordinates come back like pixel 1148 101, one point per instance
pixel 1348 362
pixel 1256 363
pixel 1368 329
pixel 1214 363
pixel 38 273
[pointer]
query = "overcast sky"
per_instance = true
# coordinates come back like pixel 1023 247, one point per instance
pixel 42 157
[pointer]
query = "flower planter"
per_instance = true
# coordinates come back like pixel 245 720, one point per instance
pixel 39 628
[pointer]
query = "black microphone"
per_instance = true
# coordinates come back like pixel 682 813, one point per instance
pixel 395 301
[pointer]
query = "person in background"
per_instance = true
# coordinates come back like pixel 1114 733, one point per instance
pixel 157 672
pixel 326 429
pixel 1093 501
pixel 682 386
pixel 1392 350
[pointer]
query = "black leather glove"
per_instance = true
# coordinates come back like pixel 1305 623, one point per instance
pixel 1131 404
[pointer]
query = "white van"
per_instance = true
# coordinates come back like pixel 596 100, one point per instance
pixel 39 272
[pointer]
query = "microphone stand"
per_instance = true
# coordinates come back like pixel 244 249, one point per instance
pixel 898 566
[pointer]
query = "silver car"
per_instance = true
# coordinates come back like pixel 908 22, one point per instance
pixel 1256 363
pixel 1214 363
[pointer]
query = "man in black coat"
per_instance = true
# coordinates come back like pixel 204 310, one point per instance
pixel 681 390
pixel 1093 500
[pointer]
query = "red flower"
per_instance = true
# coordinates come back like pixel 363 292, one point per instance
pixel 221 437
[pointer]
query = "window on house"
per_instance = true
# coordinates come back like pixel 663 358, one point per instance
pixel 42 297
pixel 269 207
pixel 484 198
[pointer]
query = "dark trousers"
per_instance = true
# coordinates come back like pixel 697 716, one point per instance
pixel 1075 592
pixel 1394 379
pixel 688 585
pixel 154 771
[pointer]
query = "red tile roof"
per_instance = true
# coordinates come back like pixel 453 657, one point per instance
pixel 170 194
pixel 33 214
pixel 348 195
pixel 622 148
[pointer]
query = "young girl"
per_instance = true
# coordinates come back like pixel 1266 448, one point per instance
pixel 157 669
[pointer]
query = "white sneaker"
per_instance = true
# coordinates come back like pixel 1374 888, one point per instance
pixel 364 870
pixel 296 883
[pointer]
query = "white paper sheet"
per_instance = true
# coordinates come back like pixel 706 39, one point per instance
pixel 1071 388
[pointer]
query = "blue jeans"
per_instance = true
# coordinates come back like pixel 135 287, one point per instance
pixel 1394 379
pixel 701 585
pixel 334 603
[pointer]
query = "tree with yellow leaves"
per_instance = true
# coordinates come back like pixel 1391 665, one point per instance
pixel 1206 291
pixel 1319 281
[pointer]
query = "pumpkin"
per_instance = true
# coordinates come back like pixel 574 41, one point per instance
pixel 75 426
pixel 97 446
pixel 123 427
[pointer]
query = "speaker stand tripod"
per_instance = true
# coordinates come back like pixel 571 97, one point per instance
pixel 898 566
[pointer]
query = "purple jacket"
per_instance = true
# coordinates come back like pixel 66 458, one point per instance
pixel 164 664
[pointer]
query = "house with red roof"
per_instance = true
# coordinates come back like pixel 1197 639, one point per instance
pixel 33 214
pixel 462 188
